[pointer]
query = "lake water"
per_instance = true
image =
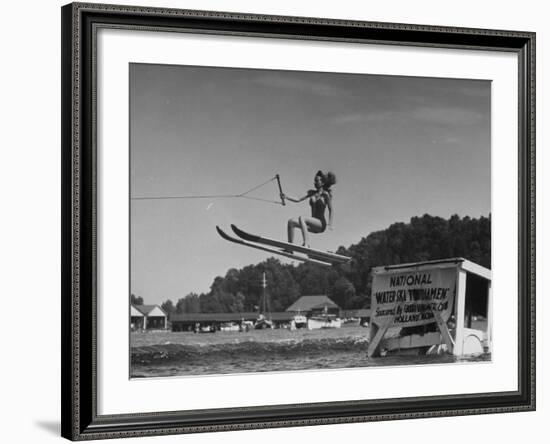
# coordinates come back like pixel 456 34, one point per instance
pixel 158 354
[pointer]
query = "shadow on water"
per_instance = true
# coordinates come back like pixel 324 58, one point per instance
pixel 54 427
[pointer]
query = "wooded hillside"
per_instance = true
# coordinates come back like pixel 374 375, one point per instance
pixel 423 238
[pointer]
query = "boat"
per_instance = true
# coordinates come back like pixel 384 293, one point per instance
pixel 263 323
pixel 204 329
pixel 229 326
pixel 264 319
pixel 324 321
pixel 300 321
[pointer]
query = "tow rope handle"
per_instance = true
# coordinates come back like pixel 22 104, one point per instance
pixel 280 190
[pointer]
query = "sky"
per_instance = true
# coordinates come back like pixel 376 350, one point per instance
pixel 400 147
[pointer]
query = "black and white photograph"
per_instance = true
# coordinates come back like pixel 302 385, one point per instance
pixel 296 220
pixel 275 222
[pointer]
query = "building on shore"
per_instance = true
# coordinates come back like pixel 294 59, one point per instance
pixel 147 317
pixel 307 312
pixel 319 310
pixel 314 306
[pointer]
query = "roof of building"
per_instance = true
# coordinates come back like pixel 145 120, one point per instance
pixel 465 264
pixel 306 303
pixel 226 317
pixel 281 316
pixel 146 309
pixel 134 312
pixel 219 317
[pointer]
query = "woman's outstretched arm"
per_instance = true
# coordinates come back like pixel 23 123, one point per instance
pixel 287 197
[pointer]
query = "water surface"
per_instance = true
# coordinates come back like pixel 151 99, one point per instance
pixel 159 354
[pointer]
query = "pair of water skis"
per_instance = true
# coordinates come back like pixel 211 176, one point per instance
pixel 292 251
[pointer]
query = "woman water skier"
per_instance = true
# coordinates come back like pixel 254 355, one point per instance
pixel 319 199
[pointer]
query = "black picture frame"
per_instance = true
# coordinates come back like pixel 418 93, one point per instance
pixel 80 420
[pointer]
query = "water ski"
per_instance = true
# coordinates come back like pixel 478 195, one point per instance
pixel 297 257
pixel 317 254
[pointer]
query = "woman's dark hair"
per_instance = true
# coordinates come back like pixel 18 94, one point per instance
pixel 328 179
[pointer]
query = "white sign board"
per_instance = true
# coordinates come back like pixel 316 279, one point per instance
pixel 411 298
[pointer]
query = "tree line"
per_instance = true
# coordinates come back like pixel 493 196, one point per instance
pixel 423 238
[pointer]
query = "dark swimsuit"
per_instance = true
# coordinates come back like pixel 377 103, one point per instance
pixel 318 209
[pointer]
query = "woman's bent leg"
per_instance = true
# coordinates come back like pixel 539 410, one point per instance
pixel 292 224
pixel 303 226
pixel 306 224
pixel 313 225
